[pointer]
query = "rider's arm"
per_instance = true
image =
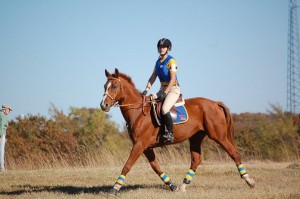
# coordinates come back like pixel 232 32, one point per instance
pixel 172 81
pixel 151 80
pixel 173 69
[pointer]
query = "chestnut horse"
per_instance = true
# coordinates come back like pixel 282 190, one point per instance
pixel 206 117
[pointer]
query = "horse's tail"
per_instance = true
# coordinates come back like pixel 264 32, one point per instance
pixel 229 121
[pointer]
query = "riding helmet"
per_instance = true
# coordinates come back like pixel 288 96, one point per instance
pixel 165 43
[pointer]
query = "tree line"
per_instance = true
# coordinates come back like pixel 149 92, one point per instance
pixel 88 136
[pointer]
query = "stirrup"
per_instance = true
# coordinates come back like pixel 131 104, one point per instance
pixel 168 137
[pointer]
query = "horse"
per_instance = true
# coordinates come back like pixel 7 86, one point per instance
pixel 206 118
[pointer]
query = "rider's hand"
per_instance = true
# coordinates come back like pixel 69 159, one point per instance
pixel 161 96
pixel 145 92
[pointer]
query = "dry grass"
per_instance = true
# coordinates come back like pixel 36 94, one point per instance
pixel 212 180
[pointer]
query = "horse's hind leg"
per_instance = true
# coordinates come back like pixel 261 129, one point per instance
pixel 195 150
pixel 220 136
pixel 232 151
pixel 150 155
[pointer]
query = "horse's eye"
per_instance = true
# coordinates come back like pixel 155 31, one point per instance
pixel 114 86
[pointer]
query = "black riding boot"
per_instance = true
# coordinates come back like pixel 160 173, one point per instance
pixel 169 125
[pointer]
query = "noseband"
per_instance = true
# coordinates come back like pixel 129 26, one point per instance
pixel 115 103
pixel 108 95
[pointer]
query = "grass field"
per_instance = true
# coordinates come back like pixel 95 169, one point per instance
pixel 212 180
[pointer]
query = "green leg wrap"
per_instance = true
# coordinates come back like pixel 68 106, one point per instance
pixel 165 178
pixel 241 169
pixel 118 185
pixel 189 176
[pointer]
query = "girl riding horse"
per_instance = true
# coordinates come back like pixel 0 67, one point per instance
pixel 166 69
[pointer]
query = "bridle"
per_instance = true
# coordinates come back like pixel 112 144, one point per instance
pixel 116 104
pixel 136 105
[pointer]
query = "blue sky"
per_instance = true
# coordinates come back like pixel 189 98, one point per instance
pixel 56 51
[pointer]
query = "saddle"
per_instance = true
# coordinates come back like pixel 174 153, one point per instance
pixel 178 111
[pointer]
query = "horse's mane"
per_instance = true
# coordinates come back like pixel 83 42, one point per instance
pixel 128 79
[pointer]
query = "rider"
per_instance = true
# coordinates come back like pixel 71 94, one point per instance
pixel 166 69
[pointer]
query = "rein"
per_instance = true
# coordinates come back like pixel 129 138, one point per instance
pixel 116 104
pixel 124 105
pixel 143 103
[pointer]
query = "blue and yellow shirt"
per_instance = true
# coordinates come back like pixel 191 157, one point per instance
pixel 163 68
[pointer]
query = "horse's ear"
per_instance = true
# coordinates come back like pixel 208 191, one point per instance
pixel 117 72
pixel 107 73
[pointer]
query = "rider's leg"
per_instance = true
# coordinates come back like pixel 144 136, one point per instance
pixel 170 100
pixel 169 126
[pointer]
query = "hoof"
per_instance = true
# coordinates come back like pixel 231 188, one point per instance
pixel 249 181
pixel 173 187
pixel 113 192
pixel 183 188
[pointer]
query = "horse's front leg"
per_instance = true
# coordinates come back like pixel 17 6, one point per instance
pixel 195 150
pixel 150 155
pixel 135 153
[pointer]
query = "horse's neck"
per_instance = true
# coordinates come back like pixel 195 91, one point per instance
pixel 131 102
pixel 130 94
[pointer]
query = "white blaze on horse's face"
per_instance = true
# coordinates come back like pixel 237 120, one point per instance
pixel 104 106
pixel 110 96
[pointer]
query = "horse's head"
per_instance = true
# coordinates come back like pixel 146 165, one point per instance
pixel 112 89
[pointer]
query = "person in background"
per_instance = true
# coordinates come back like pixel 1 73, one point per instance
pixel 165 69
pixel 6 109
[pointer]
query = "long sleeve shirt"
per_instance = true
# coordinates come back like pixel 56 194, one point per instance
pixel 3 124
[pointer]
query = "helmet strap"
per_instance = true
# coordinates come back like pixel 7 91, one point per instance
pixel 165 53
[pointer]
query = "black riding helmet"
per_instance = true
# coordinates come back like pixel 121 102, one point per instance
pixel 165 43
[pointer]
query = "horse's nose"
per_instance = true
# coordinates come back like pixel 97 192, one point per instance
pixel 104 106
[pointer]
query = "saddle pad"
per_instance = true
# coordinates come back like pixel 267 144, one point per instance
pixel 181 116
